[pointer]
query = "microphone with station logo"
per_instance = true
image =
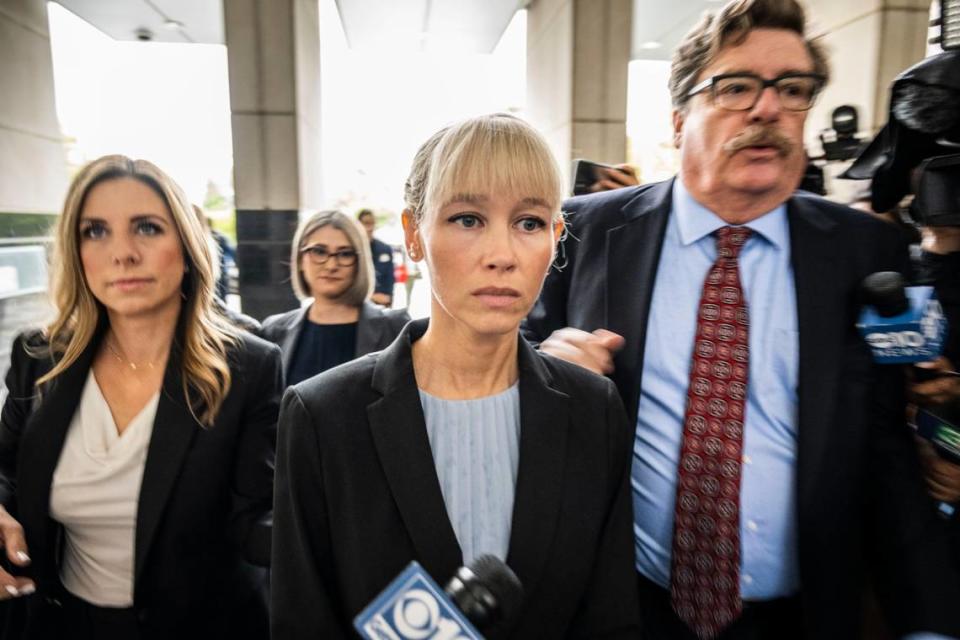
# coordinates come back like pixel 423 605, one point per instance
pixel 902 325
pixel 906 325
pixel 477 598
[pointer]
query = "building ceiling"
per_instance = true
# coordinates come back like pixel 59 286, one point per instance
pixel 427 25
pixel 664 23
pixel 423 25
pixel 197 21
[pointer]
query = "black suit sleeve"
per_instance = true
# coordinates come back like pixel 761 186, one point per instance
pixel 912 563
pixel 253 470
pixel 609 608
pixel 16 409
pixel 301 605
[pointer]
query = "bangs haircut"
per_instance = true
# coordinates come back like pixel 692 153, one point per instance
pixel 482 156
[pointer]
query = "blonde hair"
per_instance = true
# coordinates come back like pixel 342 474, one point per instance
pixel 497 152
pixel 204 335
pixel 363 278
pixel 730 26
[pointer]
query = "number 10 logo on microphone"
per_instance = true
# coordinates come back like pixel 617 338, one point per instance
pixel 414 607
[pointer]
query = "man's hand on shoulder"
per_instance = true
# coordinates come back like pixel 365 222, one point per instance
pixel 622 175
pixel 593 351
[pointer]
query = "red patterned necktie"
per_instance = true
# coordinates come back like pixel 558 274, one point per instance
pixel 705 577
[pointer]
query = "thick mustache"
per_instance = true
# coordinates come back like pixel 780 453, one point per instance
pixel 760 136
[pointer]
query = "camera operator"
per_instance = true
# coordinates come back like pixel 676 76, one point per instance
pixel 918 152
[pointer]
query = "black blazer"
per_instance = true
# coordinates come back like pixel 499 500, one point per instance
pixel 860 497
pixel 357 498
pixel 204 513
pixel 376 328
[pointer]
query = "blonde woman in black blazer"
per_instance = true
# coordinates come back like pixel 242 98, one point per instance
pixel 363 483
pixel 330 265
pixel 136 336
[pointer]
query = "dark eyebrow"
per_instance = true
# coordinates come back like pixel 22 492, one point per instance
pixel 747 72
pixel 151 217
pixel 326 247
pixel 140 217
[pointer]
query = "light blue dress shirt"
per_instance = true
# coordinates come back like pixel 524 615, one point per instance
pixel 768 481
pixel 476 451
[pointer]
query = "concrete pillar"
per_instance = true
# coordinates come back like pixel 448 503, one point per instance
pixel 577 57
pixel 869 43
pixel 33 170
pixel 33 175
pixel 273 51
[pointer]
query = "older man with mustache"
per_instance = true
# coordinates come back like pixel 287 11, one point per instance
pixel 772 470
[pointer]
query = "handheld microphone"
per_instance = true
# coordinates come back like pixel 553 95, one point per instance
pixel 413 607
pixel 902 325
pixel 906 325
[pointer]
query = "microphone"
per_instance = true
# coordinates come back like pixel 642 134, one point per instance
pixel 902 325
pixel 906 325
pixel 413 607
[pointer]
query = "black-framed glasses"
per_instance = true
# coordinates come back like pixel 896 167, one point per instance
pixel 319 254
pixel 741 91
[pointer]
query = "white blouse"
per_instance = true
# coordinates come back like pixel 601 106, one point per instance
pixel 95 492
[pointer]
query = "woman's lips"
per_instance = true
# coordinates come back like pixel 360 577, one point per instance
pixel 130 284
pixel 497 296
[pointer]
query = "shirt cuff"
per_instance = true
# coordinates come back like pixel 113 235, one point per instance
pixel 926 635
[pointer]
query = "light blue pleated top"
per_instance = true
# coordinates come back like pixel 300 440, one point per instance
pixel 476 449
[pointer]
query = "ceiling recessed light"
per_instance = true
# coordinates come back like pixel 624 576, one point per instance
pixel 652 44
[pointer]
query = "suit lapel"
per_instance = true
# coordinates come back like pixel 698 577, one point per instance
pixel 633 253
pixel 289 342
pixel 173 430
pixel 543 449
pixel 41 446
pixel 369 329
pixel 400 438
pixel 819 301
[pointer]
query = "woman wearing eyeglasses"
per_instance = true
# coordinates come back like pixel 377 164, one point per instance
pixel 330 262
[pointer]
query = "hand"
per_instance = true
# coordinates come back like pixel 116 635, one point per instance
pixel 11 536
pixel 593 351
pixel 941 240
pixel 622 176
pixel 942 476
pixel 381 299
pixel 943 388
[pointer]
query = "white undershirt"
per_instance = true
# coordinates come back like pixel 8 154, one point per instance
pixel 95 492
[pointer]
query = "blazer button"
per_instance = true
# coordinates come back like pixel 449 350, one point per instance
pixel 142 616
pixel 53 601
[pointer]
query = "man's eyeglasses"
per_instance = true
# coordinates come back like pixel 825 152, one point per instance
pixel 319 254
pixel 741 91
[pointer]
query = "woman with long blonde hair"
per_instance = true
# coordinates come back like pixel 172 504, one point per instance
pixel 137 439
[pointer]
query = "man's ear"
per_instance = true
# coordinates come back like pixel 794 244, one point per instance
pixel 677 127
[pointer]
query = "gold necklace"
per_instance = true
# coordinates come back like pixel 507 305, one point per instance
pixel 123 360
